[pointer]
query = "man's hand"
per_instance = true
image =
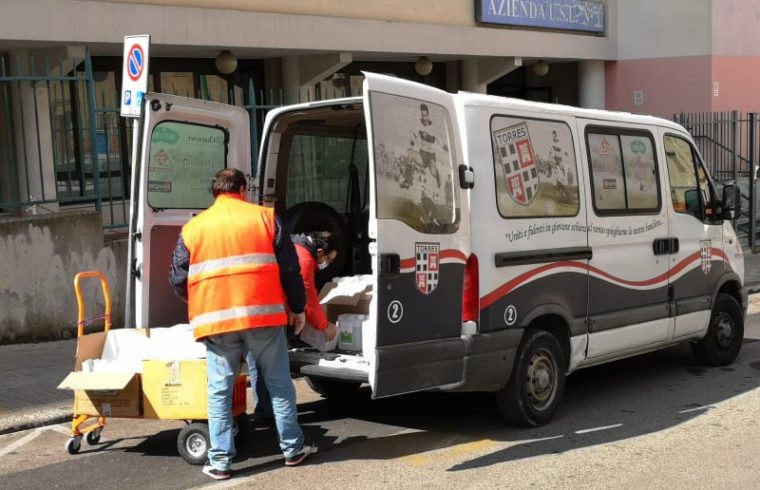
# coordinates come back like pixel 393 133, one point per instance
pixel 330 331
pixel 298 320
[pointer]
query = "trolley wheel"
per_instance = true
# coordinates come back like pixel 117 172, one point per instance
pixel 73 444
pixel 193 442
pixel 93 437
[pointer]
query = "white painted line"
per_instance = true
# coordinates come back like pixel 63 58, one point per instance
pixel 66 431
pixel 21 442
pixel 706 407
pixel 540 439
pixel 596 429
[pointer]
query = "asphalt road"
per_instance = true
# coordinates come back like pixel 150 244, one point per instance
pixel 655 421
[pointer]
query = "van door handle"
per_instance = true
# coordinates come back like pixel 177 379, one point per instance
pixel 390 264
pixel 665 246
pixel 661 246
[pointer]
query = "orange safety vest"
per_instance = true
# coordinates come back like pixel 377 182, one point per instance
pixel 234 281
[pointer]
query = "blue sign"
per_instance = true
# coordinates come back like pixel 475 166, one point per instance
pixel 577 15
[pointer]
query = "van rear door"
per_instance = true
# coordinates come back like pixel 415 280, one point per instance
pixel 184 142
pixel 419 220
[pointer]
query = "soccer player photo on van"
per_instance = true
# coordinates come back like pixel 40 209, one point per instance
pixel 415 169
pixel 536 174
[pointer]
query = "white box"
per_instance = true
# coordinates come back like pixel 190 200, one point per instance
pixel 317 339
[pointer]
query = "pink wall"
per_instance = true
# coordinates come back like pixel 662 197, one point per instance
pixel 670 85
pixel 673 85
pixel 738 79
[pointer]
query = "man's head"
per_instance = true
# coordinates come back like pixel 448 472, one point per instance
pixel 228 181
pixel 324 243
pixel 424 114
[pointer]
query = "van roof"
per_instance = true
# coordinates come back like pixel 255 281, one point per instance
pixel 469 99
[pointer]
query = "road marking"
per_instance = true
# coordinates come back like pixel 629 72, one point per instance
pixel 705 407
pixel 21 442
pixel 436 456
pixel 596 429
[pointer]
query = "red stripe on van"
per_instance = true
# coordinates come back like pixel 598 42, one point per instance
pixel 505 288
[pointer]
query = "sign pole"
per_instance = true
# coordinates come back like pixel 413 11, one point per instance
pixel 134 85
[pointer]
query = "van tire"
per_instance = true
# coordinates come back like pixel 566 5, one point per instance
pixel 332 388
pixel 537 383
pixel 318 216
pixel 724 337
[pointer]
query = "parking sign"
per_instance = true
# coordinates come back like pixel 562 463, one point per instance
pixel 134 77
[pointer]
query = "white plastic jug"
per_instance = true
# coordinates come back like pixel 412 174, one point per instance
pixel 350 331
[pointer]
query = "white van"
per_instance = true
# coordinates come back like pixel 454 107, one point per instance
pixel 507 243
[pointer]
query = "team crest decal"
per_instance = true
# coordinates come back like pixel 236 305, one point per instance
pixel 427 263
pixel 518 161
pixel 706 255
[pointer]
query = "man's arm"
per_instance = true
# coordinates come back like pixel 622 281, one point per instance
pixel 290 270
pixel 179 269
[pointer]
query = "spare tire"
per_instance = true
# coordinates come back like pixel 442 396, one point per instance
pixel 318 216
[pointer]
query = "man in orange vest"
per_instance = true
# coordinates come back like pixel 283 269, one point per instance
pixel 236 269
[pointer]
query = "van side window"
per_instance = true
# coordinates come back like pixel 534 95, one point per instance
pixel 624 172
pixel 320 168
pixel 535 168
pixel 416 177
pixel 184 158
pixel 690 188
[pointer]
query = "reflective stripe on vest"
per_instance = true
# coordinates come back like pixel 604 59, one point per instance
pixel 236 312
pixel 216 265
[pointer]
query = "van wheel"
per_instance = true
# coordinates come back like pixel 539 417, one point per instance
pixel 724 336
pixel 537 384
pixel 318 216
pixel 332 388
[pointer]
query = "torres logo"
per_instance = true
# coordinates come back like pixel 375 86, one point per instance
pixel 706 255
pixel 427 264
pixel 518 160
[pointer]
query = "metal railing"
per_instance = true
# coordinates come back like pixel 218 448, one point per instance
pixel 58 149
pixel 64 145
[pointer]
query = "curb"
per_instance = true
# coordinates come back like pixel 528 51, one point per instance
pixel 39 416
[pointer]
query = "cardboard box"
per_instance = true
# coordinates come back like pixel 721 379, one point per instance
pixel 349 295
pixel 176 390
pixel 346 296
pixel 108 394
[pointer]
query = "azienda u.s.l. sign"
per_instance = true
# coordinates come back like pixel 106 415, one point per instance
pixel 577 15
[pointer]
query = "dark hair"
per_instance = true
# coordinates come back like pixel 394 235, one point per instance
pixel 424 107
pixel 228 180
pixel 322 239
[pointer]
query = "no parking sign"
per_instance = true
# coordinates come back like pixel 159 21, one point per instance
pixel 134 77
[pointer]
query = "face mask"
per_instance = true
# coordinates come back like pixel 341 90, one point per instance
pixel 322 266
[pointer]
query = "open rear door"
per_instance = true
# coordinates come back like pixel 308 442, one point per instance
pixel 184 143
pixel 419 220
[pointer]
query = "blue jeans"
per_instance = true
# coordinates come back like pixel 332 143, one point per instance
pixel 261 396
pixel 270 352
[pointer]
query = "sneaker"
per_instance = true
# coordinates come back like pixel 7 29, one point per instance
pixel 216 474
pixel 298 458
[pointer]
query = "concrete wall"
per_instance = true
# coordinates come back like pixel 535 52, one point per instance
pixel 734 27
pixel 663 29
pixel 188 31
pixel 39 257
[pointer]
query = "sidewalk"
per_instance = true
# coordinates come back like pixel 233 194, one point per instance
pixel 31 372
